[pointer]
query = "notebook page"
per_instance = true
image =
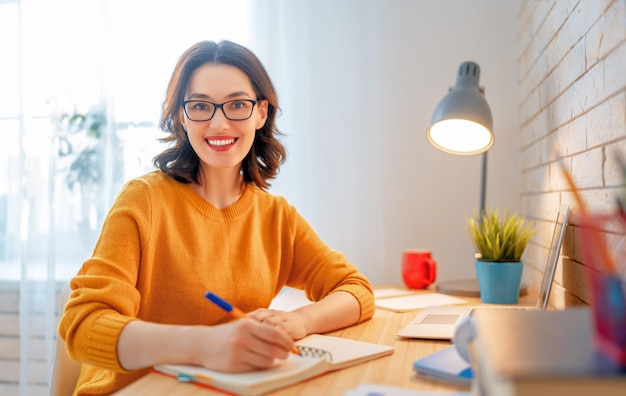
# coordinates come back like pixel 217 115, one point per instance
pixel 345 352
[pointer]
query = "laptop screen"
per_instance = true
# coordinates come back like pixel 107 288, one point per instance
pixel 553 257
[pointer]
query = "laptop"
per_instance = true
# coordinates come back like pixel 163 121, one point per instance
pixel 439 322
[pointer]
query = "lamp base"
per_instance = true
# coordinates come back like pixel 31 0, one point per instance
pixel 466 288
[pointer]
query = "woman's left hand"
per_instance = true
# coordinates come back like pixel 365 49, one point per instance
pixel 293 323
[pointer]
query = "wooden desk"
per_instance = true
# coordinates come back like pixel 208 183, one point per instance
pixel 395 370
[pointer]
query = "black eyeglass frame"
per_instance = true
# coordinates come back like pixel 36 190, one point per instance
pixel 219 106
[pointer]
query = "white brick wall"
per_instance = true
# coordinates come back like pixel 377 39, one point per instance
pixel 573 99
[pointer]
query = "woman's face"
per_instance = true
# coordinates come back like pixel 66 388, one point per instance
pixel 220 142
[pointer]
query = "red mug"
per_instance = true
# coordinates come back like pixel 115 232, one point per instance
pixel 419 270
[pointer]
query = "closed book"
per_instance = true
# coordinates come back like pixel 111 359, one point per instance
pixel 445 365
pixel 319 354
pixel 534 352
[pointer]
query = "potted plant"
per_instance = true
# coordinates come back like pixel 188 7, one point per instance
pixel 81 153
pixel 82 140
pixel 499 241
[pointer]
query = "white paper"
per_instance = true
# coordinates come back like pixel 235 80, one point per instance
pixel 417 301
pixel 392 292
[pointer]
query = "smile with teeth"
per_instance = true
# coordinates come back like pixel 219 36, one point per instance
pixel 220 142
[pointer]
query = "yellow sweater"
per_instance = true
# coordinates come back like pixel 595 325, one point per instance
pixel 163 246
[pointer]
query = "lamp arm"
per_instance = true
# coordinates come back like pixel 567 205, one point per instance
pixel 483 186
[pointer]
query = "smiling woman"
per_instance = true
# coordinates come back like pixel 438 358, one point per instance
pixel 205 220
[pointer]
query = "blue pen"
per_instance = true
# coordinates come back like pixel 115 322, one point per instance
pixel 236 312
pixel 226 306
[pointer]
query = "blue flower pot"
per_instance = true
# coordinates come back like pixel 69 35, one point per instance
pixel 499 281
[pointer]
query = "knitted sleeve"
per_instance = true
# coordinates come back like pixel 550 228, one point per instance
pixel 320 270
pixel 104 297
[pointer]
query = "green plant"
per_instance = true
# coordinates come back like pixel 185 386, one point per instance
pixel 81 140
pixel 499 238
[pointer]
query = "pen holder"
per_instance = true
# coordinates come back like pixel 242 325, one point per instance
pixel 603 239
pixel 610 317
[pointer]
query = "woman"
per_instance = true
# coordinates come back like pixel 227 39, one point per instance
pixel 203 221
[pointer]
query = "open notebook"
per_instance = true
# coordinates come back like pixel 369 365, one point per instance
pixel 320 354
pixel 440 322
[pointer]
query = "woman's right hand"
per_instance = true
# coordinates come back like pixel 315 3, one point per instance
pixel 242 345
pixel 237 346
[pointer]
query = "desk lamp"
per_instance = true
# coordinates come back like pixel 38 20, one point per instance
pixel 462 125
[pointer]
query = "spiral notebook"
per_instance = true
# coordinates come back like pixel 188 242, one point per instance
pixel 319 354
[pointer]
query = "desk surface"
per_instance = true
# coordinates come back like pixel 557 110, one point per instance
pixel 393 370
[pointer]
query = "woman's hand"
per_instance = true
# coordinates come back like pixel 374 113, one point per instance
pixel 292 323
pixel 243 345
pixel 246 344
pixel 336 310
pixel 240 345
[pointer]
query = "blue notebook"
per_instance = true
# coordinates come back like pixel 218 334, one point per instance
pixel 445 365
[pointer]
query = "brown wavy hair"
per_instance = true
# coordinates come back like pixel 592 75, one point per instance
pixel 180 161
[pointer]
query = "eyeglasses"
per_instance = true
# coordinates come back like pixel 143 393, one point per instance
pixel 234 110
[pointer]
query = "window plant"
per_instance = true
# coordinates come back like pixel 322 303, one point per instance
pixel 80 144
pixel 81 140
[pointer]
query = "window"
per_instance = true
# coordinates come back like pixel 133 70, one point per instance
pixel 106 60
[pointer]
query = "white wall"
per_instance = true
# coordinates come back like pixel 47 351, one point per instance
pixel 375 186
pixel 428 192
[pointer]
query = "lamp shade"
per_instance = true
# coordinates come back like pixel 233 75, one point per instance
pixel 462 123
